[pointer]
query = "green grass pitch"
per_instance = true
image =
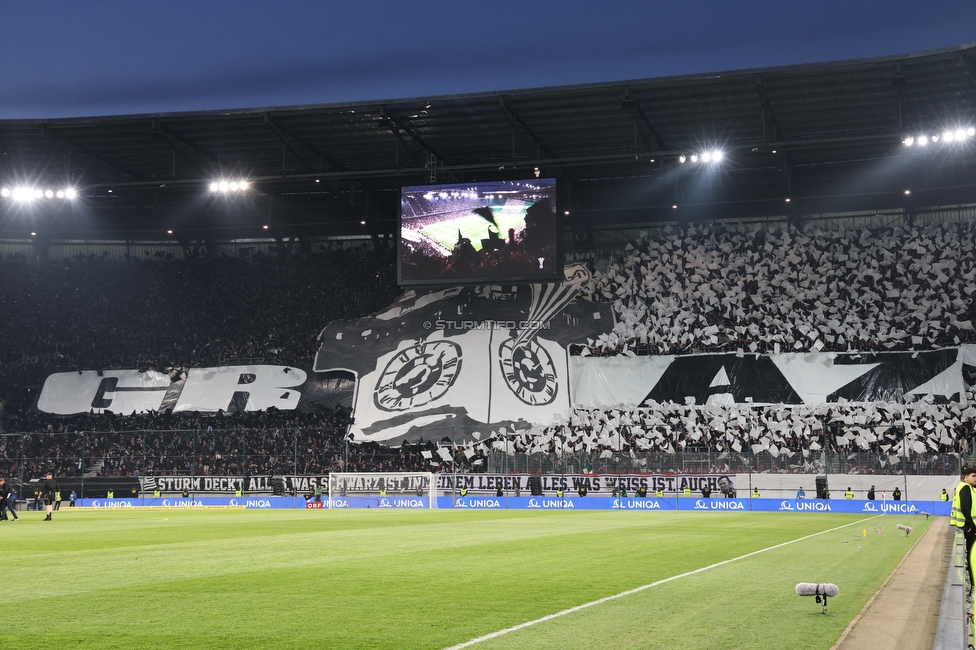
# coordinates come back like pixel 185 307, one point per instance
pixel 167 578
pixel 475 227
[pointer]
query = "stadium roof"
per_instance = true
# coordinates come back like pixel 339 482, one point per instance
pixel 827 136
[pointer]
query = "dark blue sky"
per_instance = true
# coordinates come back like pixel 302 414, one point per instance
pixel 64 58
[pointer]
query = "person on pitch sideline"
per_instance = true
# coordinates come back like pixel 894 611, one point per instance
pixel 7 501
pixel 849 494
pixel 48 492
pixel 944 496
pixel 963 510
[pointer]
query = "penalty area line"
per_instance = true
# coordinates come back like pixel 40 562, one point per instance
pixel 630 592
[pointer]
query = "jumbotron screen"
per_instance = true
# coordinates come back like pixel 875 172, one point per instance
pixel 479 232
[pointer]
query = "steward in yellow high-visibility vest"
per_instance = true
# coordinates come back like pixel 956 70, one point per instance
pixel 110 494
pixel 849 494
pixel 464 491
pixel 964 512
pixel 559 493
pixel 157 493
pixel 659 493
pixel 686 493
pixel 238 492
pixel 944 496
pixel 755 493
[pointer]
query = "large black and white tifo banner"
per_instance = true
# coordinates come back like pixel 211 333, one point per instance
pixel 462 362
pixel 455 362
pixel 814 378
pixel 203 390
pixel 596 484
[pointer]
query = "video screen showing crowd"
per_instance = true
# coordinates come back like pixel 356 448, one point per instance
pixel 478 232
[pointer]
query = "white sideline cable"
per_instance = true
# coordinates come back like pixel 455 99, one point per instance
pixel 600 601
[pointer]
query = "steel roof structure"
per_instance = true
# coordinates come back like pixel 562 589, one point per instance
pixel 826 136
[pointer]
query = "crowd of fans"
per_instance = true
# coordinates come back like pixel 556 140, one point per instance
pixel 178 314
pixel 709 288
pixel 264 443
pixel 733 287
pixel 789 437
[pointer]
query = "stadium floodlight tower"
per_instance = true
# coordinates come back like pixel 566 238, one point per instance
pixel 382 489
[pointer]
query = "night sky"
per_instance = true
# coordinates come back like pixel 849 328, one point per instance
pixel 65 58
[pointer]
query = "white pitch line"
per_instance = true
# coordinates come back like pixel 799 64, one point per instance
pixel 635 590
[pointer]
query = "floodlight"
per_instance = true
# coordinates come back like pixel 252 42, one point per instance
pixel 907 192
pixel 33 234
pixel 214 187
pixel 70 193
pixel 265 226
pixel 717 155
pixel 233 185
pixel 5 192
pixel 971 131
pixel 788 199
pixel 960 134
pixel 948 136
pixel 21 194
pixel 908 141
pixel 60 194
pixel 674 207
pixel 243 185
pixel 923 140
pixel 935 138
pixel 169 232
pixel 49 194
pixel 682 158
pixel 38 194
pixel 694 157
pixel 707 156
pixel 223 185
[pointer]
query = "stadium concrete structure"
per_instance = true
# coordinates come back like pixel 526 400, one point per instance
pixel 797 142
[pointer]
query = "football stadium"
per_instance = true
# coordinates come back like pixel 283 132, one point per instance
pixel 672 362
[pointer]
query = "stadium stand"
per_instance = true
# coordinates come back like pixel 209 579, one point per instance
pixel 733 287
pixel 720 287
